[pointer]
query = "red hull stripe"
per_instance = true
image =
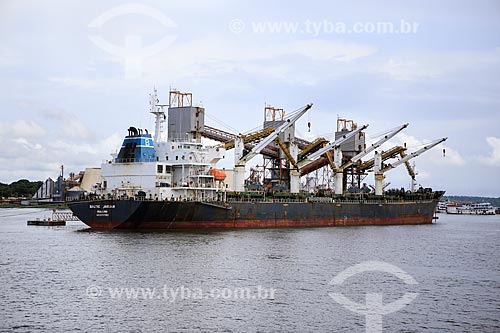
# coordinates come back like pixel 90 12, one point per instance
pixel 256 224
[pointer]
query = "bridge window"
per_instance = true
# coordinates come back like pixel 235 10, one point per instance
pixel 160 168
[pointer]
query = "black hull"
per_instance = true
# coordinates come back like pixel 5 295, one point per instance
pixel 134 214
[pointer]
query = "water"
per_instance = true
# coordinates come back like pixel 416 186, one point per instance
pixel 62 278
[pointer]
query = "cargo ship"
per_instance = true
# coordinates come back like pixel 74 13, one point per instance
pixel 171 181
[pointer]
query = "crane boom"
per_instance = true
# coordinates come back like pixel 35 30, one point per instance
pixel 332 145
pixel 267 140
pixel 414 154
pixel 372 147
pixel 250 137
pixel 377 144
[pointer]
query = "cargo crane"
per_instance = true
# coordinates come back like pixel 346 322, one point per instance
pixel 228 140
pixel 336 161
pixel 311 148
pixel 380 170
pixel 393 152
pixel 241 158
pixel 339 171
pixel 247 138
pixel 332 145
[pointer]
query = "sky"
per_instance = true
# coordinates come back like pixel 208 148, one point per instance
pixel 75 75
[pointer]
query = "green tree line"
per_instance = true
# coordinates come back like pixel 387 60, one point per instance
pixel 20 188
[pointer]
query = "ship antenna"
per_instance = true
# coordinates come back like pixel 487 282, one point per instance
pixel 157 109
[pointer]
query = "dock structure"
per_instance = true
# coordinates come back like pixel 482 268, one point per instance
pixel 59 217
pixel 64 215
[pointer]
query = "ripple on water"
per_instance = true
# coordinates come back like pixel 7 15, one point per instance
pixel 45 273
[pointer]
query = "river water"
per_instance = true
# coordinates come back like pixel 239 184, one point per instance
pixel 55 279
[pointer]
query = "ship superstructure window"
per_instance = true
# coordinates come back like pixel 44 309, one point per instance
pixel 160 168
pixel 166 158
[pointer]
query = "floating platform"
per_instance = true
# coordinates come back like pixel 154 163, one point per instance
pixel 48 222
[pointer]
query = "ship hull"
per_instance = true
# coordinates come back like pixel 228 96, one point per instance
pixel 171 215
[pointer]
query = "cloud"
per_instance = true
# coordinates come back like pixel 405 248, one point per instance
pixel 221 56
pixel 22 129
pixel 23 158
pixel 81 83
pixel 8 58
pixel 406 70
pixel 421 66
pixel 213 57
pixel 68 125
pixel 494 158
pixel 35 149
pixel 442 154
pixel 327 50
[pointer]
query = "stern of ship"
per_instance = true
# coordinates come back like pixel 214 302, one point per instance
pixel 104 214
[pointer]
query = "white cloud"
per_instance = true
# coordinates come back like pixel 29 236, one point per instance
pixel 406 70
pixel 494 158
pixel 323 50
pixel 22 129
pixel 81 83
pixel 418 66
pixel 8 57
pixel 442 154
pixel 36 148
pixel 210 56
pixel 35 160
pixel 68 125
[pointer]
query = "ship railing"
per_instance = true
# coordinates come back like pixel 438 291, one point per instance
pixel 333 201
pixel 269 200
pixel 134 160
pixel 381 201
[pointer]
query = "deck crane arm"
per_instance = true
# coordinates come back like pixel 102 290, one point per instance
pixel 373 146
pixel 336 160
pixel 241 159
pixel 331 145
pixel 379 169
pixel 380 142
pixel 267 140
pixel 413 155
pixel 254 136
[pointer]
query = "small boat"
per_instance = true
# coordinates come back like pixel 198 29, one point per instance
pixel 46 222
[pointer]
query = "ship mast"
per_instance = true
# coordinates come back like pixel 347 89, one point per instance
pixel 157 110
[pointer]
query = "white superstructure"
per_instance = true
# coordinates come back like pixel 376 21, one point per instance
pixel 176 168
